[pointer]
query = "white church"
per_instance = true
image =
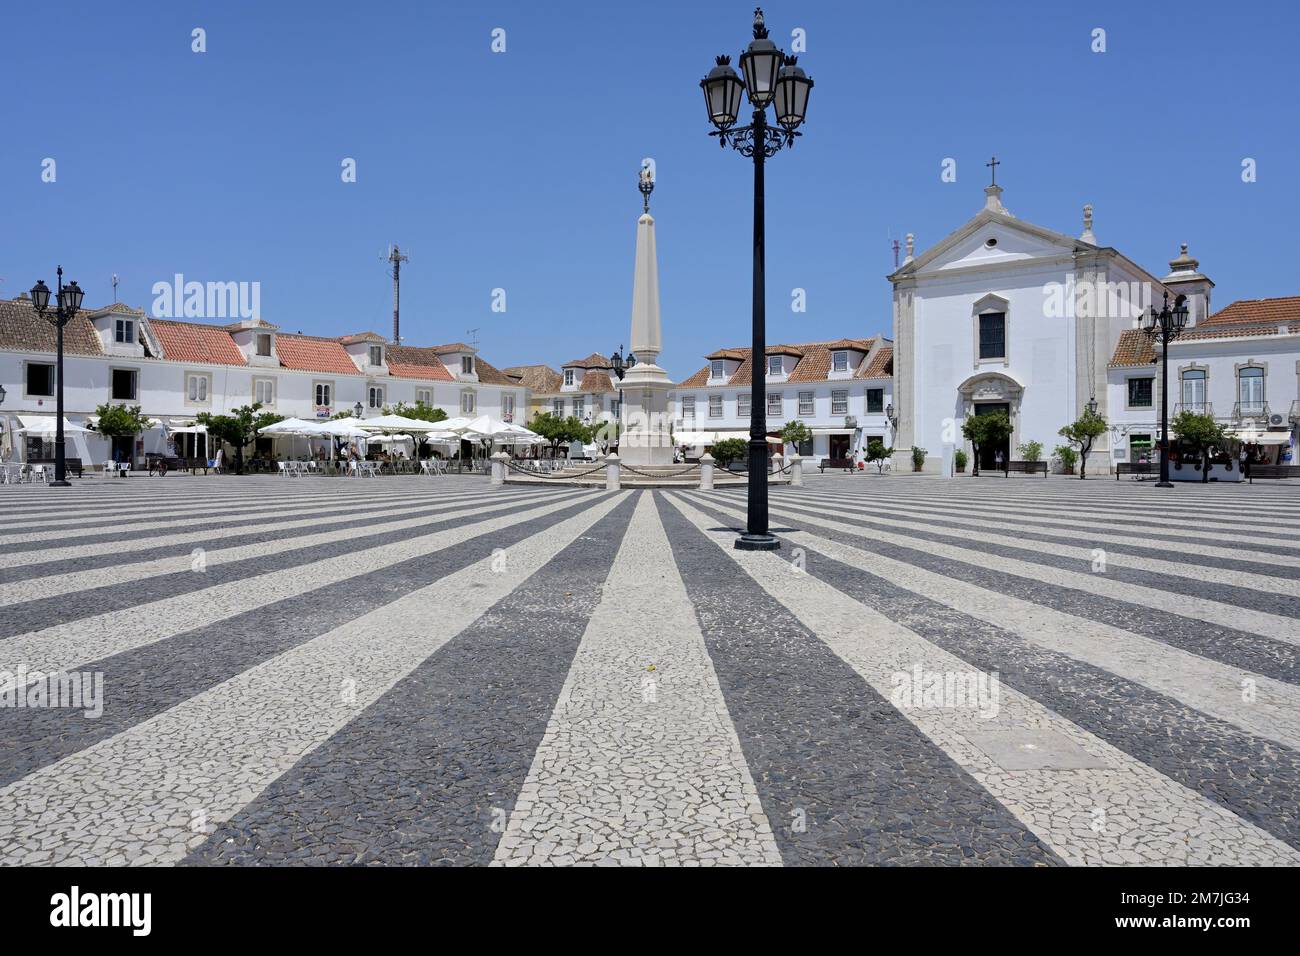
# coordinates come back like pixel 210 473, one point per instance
pixel 1006 315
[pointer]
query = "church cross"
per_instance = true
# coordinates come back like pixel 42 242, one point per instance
pixel 993 164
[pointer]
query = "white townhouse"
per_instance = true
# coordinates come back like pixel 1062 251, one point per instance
pixel 842 390
pixel 586 389
pixel 173 370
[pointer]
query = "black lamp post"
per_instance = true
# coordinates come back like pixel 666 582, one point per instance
pixel 1165 326
pixel 620 368
pixel 67 305
pixel 357 410
pixel 771 79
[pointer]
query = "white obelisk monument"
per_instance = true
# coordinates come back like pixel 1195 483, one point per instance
pixel 646 438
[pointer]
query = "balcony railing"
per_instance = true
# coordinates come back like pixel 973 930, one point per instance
pixel 1199 408
pixel 1244 410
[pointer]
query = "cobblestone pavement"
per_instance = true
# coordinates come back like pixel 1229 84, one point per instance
pixel 435 671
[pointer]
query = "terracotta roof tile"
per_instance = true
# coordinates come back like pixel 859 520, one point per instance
pixel 192 342
pixel 311 353
pixel 407 361
pixel 594 360
pixel 23 330
pixel 490 374
pixel 539 378
pixel 1272 312
pixel 596 381
pixel 1133 348
pixel 697 380
pixel 880 366
pixel 733 354
pixel 814 363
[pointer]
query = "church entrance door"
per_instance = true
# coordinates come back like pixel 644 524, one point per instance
pixel 988 453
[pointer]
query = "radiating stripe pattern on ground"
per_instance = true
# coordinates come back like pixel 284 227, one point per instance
pixel 255 671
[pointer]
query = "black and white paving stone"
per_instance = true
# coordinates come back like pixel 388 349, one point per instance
pixel 435 671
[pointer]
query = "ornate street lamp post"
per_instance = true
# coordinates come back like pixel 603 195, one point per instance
pixel 617 362
pixel 1165 326
pixel 67 305
pixel 771 79
pixel 357 410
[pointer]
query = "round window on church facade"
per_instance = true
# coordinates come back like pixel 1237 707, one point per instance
pixel 990 243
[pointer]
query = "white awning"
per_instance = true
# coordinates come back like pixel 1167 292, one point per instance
pixel 46 424
pixel 1250 437
pixel 827 430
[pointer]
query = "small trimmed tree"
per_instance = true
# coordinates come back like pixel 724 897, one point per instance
pixel 1201 433
pixel 420 412
pixel 1031 451
pixel 878 454
pixel 985 430
pixel 239 428
pixel 120 421
pixel 918 457
pixel 1081 434
pixel 795 432
pixel 1068 458
pixel 960 460
pixel 729 450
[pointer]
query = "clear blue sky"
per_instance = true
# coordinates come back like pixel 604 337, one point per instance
pixel 518 170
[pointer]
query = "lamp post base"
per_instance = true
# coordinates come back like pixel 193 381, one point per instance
pixel 757 542
pixel 1164 484
pixel 61 484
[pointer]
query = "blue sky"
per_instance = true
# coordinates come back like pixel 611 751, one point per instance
pixel 518 170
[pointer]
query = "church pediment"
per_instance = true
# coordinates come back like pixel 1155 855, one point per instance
pixel 990 240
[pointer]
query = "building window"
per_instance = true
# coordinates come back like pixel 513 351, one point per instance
pixel 324 396
pixel 568 376
pixel 718 369
pixel 263 344
pixel 424 396
pixel 467 403
pixel 840 401
pixel 375 396
pixel 1194 390
pixel 839 361
pixel 376 355
pixel 993 335
pixel 616 407
pixel 1140 392
pixel 715 406
pixel 467 364
pixel 742 405
pixel 774 365
pixel 579 407
pixel 875 400
pixel 774 404
pixel 124 332
pixel 124 384
pixel 688 407
pixel 1250 390
pixel 805 404
pixel 264 391
pixel 557 407
pixel 196 388
pixel 40 379
pixel 508 407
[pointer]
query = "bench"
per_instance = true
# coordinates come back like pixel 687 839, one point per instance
pixel 1026 468
pixel 70 465
pixel 1272 471
pixel 845 463
pixel 1133 468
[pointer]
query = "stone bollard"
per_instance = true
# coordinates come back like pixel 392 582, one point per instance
pixel 796 471
pixel 611 472
pixel 499 468
pixel 706 472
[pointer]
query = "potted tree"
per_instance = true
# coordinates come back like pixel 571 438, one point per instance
pixel 1068 458
pixel 1200 434
pixel 959 461
pixel 878 454
pixel 918 458
pixel 729 450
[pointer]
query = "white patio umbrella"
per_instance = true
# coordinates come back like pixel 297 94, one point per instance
pixel 400 423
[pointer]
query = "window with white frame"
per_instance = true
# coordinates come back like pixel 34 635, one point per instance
pixel 123 386
pixel 805 404
pixel 124 332
pixel 557 407
pixel 424 396
pixel 324 395
pixel 467 364
pixel 715 406
pixel 774 365
pixel 376 355
pixel 1194 390
pixel 742 405
pixel 717 369
pixel 774 406
pixel 1250 390
pixel 375 396
pixel 467 402
pixel 579 407
pixel 40 379
pixel 688 407
pixel 568 376
pixel 507 406
pixel 196 387
pixel 839 361
pixel 840 401
pixel 263 344
pixel 264 391
pixel 875 401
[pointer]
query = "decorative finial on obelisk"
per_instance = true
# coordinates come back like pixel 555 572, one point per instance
pixel 646 185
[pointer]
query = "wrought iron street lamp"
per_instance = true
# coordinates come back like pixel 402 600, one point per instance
pixel 67 305
pixel 771 79
pixel 1163 327
pixel 357 410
